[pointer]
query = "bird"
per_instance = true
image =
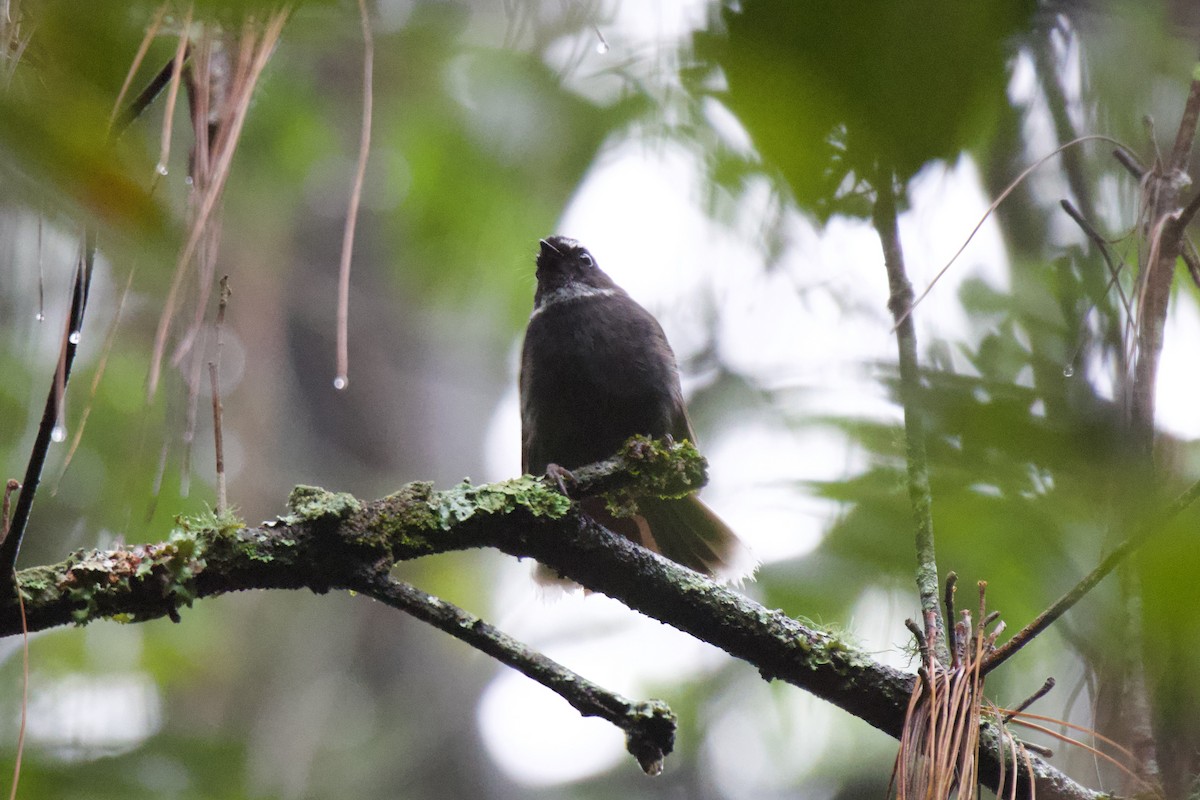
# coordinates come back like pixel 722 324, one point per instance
pixel 596 369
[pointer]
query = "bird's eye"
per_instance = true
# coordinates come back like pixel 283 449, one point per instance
pixel 586 260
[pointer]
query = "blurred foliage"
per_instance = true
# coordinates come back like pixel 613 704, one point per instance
pixel 833 92
pixel 485 127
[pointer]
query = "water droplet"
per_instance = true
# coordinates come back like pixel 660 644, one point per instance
pixel 74 337
pixel 601 42
pixel 188 180
pixel 1068 371
pixel 39 316
pixel 58 433
pixel 160 168
pixel 340 382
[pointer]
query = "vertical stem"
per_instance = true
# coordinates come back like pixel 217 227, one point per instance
pixel 900 304
pixel 215 383
pixel 1165 223
pixel 218 444
pixel 1157 273
pixel 11 545
pixel 341 379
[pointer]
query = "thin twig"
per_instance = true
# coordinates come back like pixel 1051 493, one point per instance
pixel 1189 212
pixel 10 486
pixel 1101 243
pixel 143 47
pixel 342 377
pixel 41 312
pixel 101 364
pixel 11 546
pixel 948 602
pixel 649 725
pixel 919 636
pixel 1107 565
pixel 164 152
pixel 1033 698
pixel 1130 162
pixel 996 204
pixel 147 96
pixel 220 452
pixel 213 368
pixel 1181 153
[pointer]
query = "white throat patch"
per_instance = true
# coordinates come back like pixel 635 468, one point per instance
pixel 573 291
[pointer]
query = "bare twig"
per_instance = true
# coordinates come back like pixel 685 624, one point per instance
pixel 1107 565
pixel 1033 698
pixel 109 339
pixel 996 204
pixel 1129 161
pixel 215 383
pixel 151 31
pixel 1181 153
pixel 219 449
pixel 10 486
pixel 1188 213
pixel 919 637
pixel 649 725
pixel 948 601
pixel 11 546
pixel 1102 244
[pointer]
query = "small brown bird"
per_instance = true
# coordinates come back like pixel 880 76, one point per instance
pixel 596 369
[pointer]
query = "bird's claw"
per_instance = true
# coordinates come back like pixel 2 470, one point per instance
pixel 561 477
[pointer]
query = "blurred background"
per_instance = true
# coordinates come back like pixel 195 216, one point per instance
pixel 717 160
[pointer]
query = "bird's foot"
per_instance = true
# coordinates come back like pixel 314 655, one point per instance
pixel 561 477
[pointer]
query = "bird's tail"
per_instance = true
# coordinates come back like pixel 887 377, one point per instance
pixel 685 530
pixel 690 533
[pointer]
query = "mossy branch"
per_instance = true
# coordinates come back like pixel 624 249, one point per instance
pixel 334 541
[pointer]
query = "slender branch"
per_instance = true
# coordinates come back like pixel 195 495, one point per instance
pixel 215 383
pixel 1033 698
pixel 948 602
pixel 1107 565
pixel 1052 75
pixel 10 486
pixel 1130 162
pixel 649 725
pixel 1089 230
pixel 147 96
pixel 920 496
pixel 11 545
pixel 1181 153
pixel 1188 213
